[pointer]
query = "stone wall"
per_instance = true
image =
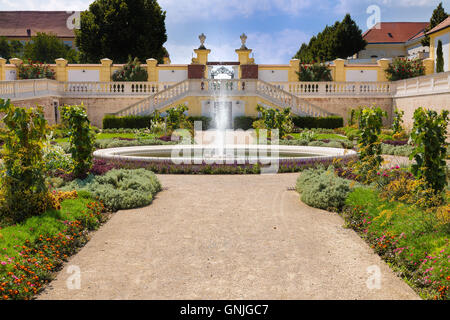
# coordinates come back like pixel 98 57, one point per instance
pixel 341 105
pixel 437 102
pixel 98 107
pixel 45 102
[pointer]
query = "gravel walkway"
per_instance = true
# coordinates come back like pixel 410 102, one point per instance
pixel 226 237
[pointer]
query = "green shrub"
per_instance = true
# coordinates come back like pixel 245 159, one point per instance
pixel 315 72
pixel 403 151
pixel 402 68
pixel 132 71
pixel 275 119
pixel 320 188
pixel 429 134
pixel 206 121
pixel 295 142
pixel 36 71
pixel 120 189
pixel 81 138
pixel 117 143
pixel 244 122
pixel 23 192
pixel 331 122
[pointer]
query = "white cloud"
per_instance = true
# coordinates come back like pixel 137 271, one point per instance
pixel 224 10
pixel 48 5
pixel 276 48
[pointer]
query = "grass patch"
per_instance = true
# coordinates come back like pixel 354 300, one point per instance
pixel 322 136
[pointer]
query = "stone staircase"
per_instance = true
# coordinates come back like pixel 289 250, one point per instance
pixel 213 88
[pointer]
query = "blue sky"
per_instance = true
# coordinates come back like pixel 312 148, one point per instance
pixel 275 28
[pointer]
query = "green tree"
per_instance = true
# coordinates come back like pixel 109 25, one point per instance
pixel 10 49
pixel 439 58
pixel 341 40
pixel 47 47
pixel 5 48
pixel 115 29
pixel 437 17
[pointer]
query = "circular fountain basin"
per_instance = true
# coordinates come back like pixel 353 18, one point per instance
pixel 194 154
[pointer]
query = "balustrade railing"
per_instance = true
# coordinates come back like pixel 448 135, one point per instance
pixel 432 84
pixel 335 88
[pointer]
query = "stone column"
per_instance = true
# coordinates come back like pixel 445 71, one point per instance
pixel 2 69
pixel 339 72
pixel 152 70
pixel 429 66
pixel 105 71
pixel 383 64
pixel 61 69
pixel 294 67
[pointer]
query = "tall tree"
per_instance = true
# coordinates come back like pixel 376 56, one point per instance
pixel 340 40
pixel 439 58
pixel 47 47
pixel 438 16
pixel 115 29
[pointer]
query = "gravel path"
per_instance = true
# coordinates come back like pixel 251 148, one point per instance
pixel 226 237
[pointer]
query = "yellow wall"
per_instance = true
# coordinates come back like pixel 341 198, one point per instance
pixel 433 37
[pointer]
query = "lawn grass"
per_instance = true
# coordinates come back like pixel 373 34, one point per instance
pixel 49 223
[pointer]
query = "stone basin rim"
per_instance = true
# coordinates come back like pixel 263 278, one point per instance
pixel 325 153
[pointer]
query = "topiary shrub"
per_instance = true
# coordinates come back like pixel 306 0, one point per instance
pixel 128 122
pixel 331 122
pixel 322 189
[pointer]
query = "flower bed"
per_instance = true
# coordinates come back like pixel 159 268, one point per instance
pixel 415 242
pixel 33 250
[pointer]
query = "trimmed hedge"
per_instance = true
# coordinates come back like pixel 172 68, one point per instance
pixel 332 122
pixel 206 121
pixel 128 122
pixel 244 122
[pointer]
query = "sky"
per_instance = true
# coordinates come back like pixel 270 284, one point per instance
pixel 275 28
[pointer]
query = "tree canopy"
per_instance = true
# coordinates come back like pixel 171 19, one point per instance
pixel 437 17
pixel 47 47
pixel 115 29
pixel 341 40
pixel 10 49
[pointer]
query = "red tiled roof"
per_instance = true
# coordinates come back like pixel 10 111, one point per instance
pixel 444 24
pixel 16 23
pixel 395 32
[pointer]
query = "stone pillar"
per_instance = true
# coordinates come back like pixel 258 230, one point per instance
pixel 294 67
pixel 105 71
pixel 152 70
pixel 429 66
pixel 2 69
pixel 383 64
pixel 61 69
pixel 339 72
pixel 244 56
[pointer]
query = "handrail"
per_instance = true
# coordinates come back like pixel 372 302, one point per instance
pixel 297 105
pixel 146 104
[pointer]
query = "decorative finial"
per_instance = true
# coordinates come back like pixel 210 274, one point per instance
pixel 243 40
pixel 202 38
